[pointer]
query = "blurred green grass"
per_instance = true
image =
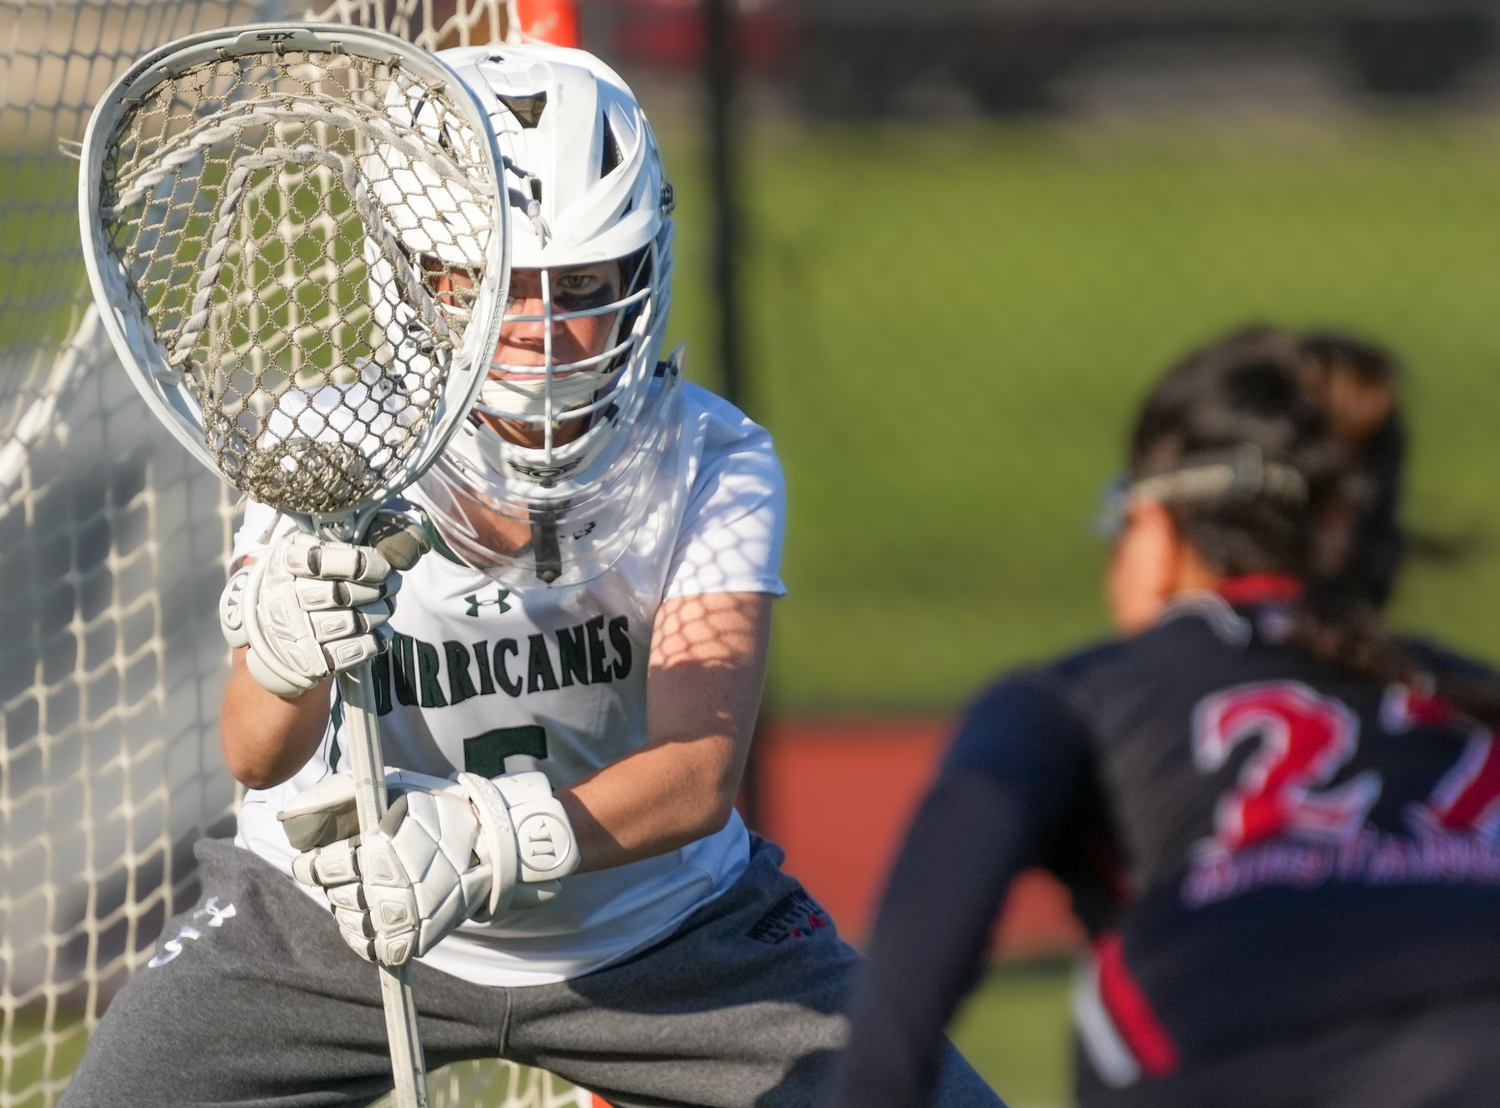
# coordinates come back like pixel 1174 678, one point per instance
pixel 1013 1029
pixel 950 327
pixel 32 1058
pixel 39 242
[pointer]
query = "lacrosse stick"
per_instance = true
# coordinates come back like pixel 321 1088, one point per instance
pixel 298 242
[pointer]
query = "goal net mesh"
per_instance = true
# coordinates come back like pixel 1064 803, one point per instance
pixel 112 555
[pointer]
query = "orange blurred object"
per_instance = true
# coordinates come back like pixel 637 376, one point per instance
pixel 837 795
pixel 551 21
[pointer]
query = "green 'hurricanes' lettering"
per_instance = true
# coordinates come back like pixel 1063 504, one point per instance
pixel 572 658
pixel 427 673
pixel 411 672
pixel 619 638
pixel 482 664
pixel 511 686
pixel 460 688
pixel 403 671
pixel 380 667
pixel 539 673
pixel 598 656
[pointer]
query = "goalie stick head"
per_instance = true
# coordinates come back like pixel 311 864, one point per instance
pixel 297 239
pixel 567 438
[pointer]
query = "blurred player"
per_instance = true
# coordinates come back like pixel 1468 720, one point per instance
pixel 1277 822
pixel 1356 383
pixel 570 689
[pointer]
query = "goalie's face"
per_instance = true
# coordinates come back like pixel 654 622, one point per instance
pixel 580 319
pixel 558 326
pixel 559 332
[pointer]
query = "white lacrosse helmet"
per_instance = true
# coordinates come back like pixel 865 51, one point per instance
pixel 585 178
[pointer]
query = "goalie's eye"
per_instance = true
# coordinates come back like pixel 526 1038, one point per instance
pixel 574 292
pixel 573 289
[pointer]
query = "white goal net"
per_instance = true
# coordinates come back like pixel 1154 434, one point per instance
pixel 112 555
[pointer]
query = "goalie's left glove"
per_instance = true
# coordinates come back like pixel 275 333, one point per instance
pixel 444 853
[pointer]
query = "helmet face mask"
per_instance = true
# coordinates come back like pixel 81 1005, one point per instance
pixel 562 347
pixel 557 465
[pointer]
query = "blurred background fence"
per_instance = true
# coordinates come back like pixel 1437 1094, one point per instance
pixel 970 235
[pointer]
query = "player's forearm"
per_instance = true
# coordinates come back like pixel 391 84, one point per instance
pixel 708 663
pixel 656 800
pixel 266 739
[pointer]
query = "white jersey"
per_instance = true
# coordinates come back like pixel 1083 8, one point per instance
pixel 478 672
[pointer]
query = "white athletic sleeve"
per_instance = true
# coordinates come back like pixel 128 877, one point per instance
pixel 260 527
pixel 732 530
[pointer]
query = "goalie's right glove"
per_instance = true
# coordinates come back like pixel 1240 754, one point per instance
pixel 444 853
pixel 311 608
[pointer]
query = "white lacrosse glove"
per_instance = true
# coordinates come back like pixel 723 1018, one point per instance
pixel 445 853
pixel 310 608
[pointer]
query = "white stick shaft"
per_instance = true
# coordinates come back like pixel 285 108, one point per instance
pixel 407 1065
pixel 357 688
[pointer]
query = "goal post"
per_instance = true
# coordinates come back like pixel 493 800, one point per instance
pixel 113 544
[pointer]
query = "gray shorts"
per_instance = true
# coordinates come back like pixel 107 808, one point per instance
pixel 742 1007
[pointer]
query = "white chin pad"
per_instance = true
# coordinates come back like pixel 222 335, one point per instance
pixel 529 398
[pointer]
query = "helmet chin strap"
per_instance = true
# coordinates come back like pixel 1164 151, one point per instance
pixel 546 551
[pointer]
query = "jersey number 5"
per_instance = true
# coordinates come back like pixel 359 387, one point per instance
pixel 1304 738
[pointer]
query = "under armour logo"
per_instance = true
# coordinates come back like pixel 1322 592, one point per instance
pixel 475 603
pixel 216 913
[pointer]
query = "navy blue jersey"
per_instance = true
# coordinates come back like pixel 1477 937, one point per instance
pixel 1258 846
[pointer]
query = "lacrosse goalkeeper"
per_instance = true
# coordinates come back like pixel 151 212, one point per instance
pixel 566 682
